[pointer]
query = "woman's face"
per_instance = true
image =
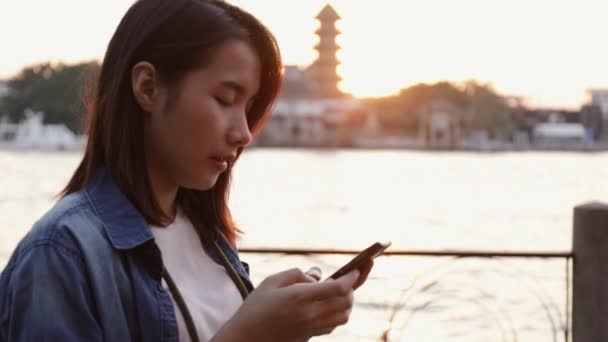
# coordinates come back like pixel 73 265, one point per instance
pixel 192 140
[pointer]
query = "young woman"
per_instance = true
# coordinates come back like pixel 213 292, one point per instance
pixel 141 245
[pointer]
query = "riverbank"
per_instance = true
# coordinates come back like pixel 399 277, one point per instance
pixel 409 144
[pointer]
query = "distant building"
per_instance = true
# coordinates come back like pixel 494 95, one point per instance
pixel 4 89
pixel 312 121
pixel 443 124
pixel 599 97
pixel 320 79
pixel 559 134
pixel 591 118
pixel 296 84
pixel 323 71
pixel 311 110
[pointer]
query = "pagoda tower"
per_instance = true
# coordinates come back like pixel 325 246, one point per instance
pixel 323 71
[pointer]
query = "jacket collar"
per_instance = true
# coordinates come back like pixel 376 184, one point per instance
pixel 123 223
pixel 128 229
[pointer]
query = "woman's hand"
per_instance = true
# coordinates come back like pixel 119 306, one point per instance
pixel 293 306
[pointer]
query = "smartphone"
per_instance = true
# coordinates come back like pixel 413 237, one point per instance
pixel 369 253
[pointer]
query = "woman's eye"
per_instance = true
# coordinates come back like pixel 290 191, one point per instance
pixel 223 102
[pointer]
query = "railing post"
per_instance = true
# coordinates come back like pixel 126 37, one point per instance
pixel 590 282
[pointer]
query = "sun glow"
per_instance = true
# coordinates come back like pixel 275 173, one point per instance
pixel 385 45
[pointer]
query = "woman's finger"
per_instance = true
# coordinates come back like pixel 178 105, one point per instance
pixel 365 269
pixel 330 288
pixel 331 306
pixel 286 278
pixel 309 294
pixel 315 273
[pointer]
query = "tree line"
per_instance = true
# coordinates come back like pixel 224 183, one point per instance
pixel 59 91
pixel 486 109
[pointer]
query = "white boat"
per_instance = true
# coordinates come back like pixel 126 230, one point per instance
pixel 33 134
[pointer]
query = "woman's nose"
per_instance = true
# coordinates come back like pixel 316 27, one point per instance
pixel 239 134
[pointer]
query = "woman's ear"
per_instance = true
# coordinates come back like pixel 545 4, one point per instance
pixel 146 87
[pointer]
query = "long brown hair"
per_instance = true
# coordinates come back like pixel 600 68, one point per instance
pixel 175 36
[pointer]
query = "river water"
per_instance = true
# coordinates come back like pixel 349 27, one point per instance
pixel 418 200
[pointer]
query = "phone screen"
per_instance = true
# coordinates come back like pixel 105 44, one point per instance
pixel 369 253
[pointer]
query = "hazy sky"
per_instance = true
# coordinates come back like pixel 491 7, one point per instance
pixel 549 51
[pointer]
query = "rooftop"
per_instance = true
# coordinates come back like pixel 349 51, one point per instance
pixel 328 13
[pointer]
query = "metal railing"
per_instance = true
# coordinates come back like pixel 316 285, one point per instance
pixel 567 256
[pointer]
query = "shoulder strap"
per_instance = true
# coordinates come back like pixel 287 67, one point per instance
pixel 181 303
pixel 236 279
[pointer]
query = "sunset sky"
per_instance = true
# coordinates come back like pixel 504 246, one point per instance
pixel 549 51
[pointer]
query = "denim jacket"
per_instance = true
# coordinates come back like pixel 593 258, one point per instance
pixel 90 270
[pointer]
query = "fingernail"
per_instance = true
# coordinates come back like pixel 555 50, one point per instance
pixel 315 269
pixel 314 272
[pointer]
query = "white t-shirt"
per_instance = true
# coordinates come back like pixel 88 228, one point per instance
pixel 211 296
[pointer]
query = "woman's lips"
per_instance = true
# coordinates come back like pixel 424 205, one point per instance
pixel 219 164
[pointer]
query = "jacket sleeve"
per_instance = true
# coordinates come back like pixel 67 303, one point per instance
pixel 45 296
